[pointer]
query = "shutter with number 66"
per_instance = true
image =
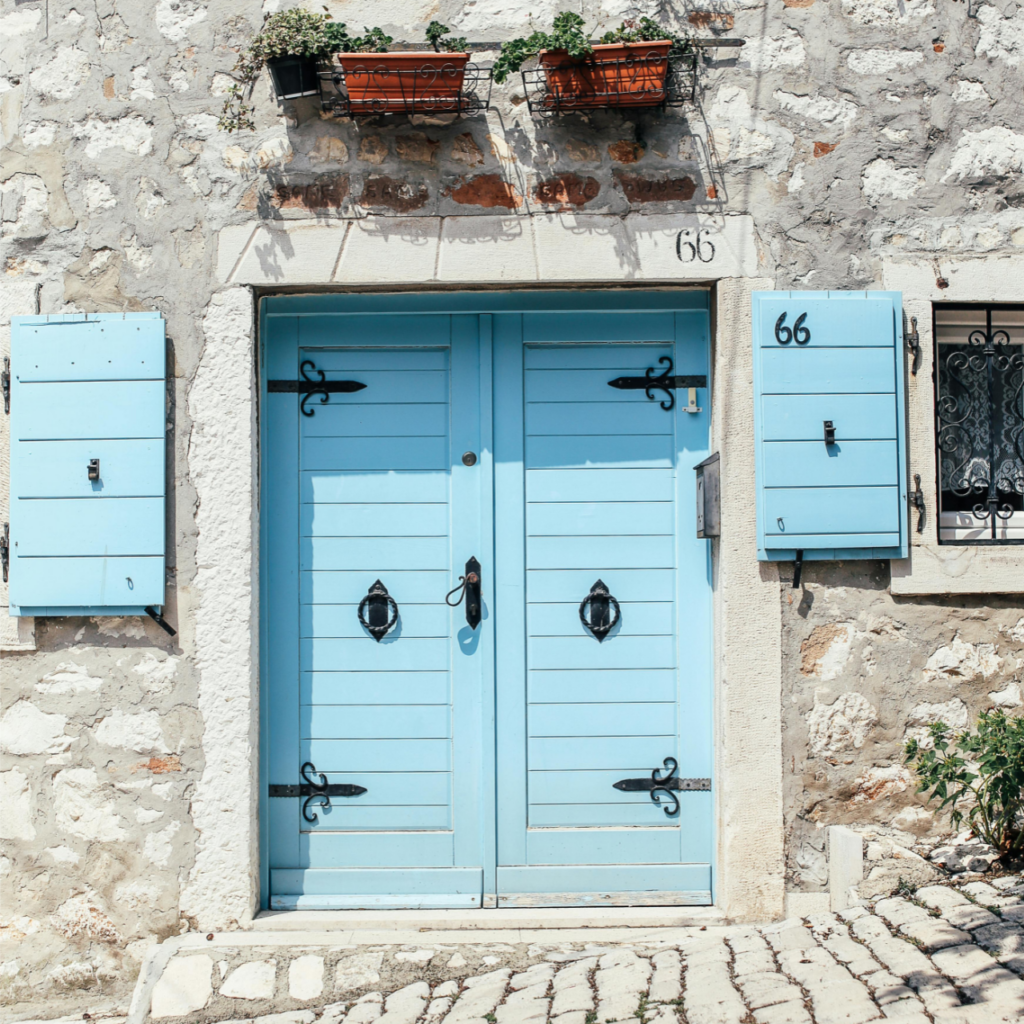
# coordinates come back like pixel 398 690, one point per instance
pixel 87 464
pixel 829 426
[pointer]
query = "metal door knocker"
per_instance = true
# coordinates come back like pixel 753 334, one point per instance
pixel 378 602
pixel 601 604
pixel 468 588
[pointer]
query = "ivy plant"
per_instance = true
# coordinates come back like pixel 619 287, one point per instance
pixel 978 775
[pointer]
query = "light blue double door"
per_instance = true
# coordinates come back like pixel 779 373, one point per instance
pixel 478 766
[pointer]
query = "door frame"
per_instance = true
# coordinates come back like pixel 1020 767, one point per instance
pixel 482 302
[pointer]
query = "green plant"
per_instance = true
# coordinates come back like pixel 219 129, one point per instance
pixel 979 776
pixel 567 34
pixel 647 30
pixel 435 31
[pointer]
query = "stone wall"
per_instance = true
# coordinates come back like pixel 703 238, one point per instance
pixel 852 131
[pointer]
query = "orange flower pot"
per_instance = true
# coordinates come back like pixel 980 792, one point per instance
pixel 614 75
pixel 383 83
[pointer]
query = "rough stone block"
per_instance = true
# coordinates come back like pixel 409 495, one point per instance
pixel 306 977
pixel 254 980
pixel 184 987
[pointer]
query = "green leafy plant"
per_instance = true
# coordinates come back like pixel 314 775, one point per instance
pixel 567 34
pixel 435 33
pixel 978 775
pixel 647 30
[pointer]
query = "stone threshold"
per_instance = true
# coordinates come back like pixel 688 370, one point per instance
pixel 499 919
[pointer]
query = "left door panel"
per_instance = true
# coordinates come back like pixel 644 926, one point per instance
pixel 364 491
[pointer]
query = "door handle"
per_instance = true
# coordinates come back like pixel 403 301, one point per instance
pixel 468 588
pixel 604 611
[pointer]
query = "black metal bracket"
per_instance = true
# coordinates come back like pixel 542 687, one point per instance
pixel 798 568
pixel 93 469
pixel 313 789
pixel 914 344
pixel 468 588
pixel 158 619
pixel 308 387
pixel 830 432
pixel 917 500
pixel 601 603
pixel 664 381
pixel 5 549
pixel 664 784
pixel 383 611
pixel 5 384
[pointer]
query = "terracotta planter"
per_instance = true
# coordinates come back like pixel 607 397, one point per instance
pixel 382 83
pixel 615 75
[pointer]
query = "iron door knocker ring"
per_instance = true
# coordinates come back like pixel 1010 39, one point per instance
pixel 380 602
pixel 601 602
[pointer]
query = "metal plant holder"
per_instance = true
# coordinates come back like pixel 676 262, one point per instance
pixel 435 85
pixel 641 80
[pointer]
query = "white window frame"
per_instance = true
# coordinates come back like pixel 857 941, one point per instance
pixel 946 568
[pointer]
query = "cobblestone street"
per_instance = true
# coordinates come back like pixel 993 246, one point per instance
pixel 943 955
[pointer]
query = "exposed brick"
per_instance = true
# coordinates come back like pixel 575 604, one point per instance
pixel 393 193
pixel 565 190
pixel 639 189
pixel 159 765
pixel 821 148
pixel 625 152
pixel 325 193
pixel 714 20
pixel 488 190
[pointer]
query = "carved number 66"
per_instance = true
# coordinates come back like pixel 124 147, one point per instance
pixel 800 334
pixel 701 248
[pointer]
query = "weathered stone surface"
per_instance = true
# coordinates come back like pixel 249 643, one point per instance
pixel 639 189
pixel 842 725
pixel 488 191
pixel 394 194
pixel 417 147
pixel 24 729
pixel 373 149
pixel 357 972
pixel 466 151
pixel 566 190
pixel 254 980
pixel 184 987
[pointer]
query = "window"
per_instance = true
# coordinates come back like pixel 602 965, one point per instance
pixel 979 382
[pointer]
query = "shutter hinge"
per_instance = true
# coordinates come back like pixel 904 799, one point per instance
pixel 5 549
pixel 5 384
pixel 917 501
pixel 914 344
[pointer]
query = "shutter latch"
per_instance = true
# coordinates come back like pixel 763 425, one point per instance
pixel 5 384
pixel 5 549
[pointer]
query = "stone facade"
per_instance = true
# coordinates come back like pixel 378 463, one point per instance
pixel 857 134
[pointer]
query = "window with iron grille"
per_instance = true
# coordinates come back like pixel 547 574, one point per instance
pixel 979 403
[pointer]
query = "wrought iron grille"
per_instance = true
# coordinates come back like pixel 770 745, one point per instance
pixel 979 380
pixel 433 86
pixel 643 79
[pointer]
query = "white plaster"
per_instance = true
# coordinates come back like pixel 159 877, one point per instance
pixel 962 662
pixel 62 855
pixel 62 76
pixel 879 13
pixel 842 725
pixel 877 783
pixel 797 180
pixel 140 732
pixel 818 108
pixel 179 81
pixel 1001 38
pixel 24 729
pixel 745 139
pixel 184 987
pixel 970 92
pixel 15 806
pixel 948 568
pixel 952 712
pixel 994 152
pixel 1008 697
pixel 174 18
pixel 20 23
pixel 98 195
pixel 38 133
pixel 883 180
pixel 253 980
pixel 81 916
pixel 159 846
pixel 883 62
pixel 25 203
pixel 157 672
pixel 221 84
pixel 273 153
pixel 142 87
pixel 765 53
pixel 133 134
pixel 220 891
pixel 81 809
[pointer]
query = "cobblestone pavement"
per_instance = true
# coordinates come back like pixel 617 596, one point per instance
pixel 941 955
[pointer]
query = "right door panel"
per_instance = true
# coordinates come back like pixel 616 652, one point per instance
pixel 595 498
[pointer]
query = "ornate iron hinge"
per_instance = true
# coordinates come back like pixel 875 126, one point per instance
pixel 5 384
pixel 917 500
pixel 664 381
pixel 668 784
pixel 308 387
pixel 914 344
pixel 312 789
pixel 5 549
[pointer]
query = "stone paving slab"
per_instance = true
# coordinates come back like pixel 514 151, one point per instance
pixel 942 955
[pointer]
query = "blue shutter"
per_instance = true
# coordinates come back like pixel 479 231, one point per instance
pixel 833 356
pixel 84 388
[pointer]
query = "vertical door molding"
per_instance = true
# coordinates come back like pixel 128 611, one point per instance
pixel 750 870
pixel 222 889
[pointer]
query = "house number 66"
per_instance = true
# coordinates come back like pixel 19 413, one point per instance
pixel 800 334
pixel 702 249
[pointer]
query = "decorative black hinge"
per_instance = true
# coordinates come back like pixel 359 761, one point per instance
pixel 914 344
pixel 5 384
pixel 917 500
pixel 668 785
pixel 313 789
pixel 5 549
pixel 308 387
pixel 664 381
